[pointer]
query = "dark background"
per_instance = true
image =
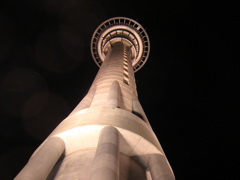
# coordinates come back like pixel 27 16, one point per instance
pixel 188 87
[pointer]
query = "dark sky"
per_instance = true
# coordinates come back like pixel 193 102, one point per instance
pixel 188 87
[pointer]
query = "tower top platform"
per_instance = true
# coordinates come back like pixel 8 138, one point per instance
pixel 123 29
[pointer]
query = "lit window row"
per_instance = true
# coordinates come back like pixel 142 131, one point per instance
pixel 125 67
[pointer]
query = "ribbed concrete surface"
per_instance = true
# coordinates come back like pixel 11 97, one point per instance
pixel 107 136
pixel 113 70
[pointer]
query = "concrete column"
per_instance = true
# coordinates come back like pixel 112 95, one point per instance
pixel 138 110
pixel 113 96
pixel 40 164
pixel 160 168
pixel 106 161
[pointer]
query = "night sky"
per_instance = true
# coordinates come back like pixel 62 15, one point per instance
pixel 188 87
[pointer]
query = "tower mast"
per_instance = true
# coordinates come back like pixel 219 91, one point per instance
pixel 108 135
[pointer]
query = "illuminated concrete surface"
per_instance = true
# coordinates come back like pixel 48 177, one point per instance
pixel 108 135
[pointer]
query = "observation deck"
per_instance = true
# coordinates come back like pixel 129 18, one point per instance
pixel 130 32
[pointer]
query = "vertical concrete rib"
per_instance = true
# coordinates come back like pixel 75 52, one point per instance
pixel 138 110
pixel 106 161
pixel 160 168
pixel 113 96
pixel 40 164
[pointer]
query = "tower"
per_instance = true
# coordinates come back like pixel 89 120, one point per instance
pixel 107 136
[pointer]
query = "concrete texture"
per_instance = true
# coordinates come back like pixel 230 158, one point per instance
pixel 106 160
pixel 41 163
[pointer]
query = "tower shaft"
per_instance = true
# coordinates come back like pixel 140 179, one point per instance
pixel 116 67
pixel 107 136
